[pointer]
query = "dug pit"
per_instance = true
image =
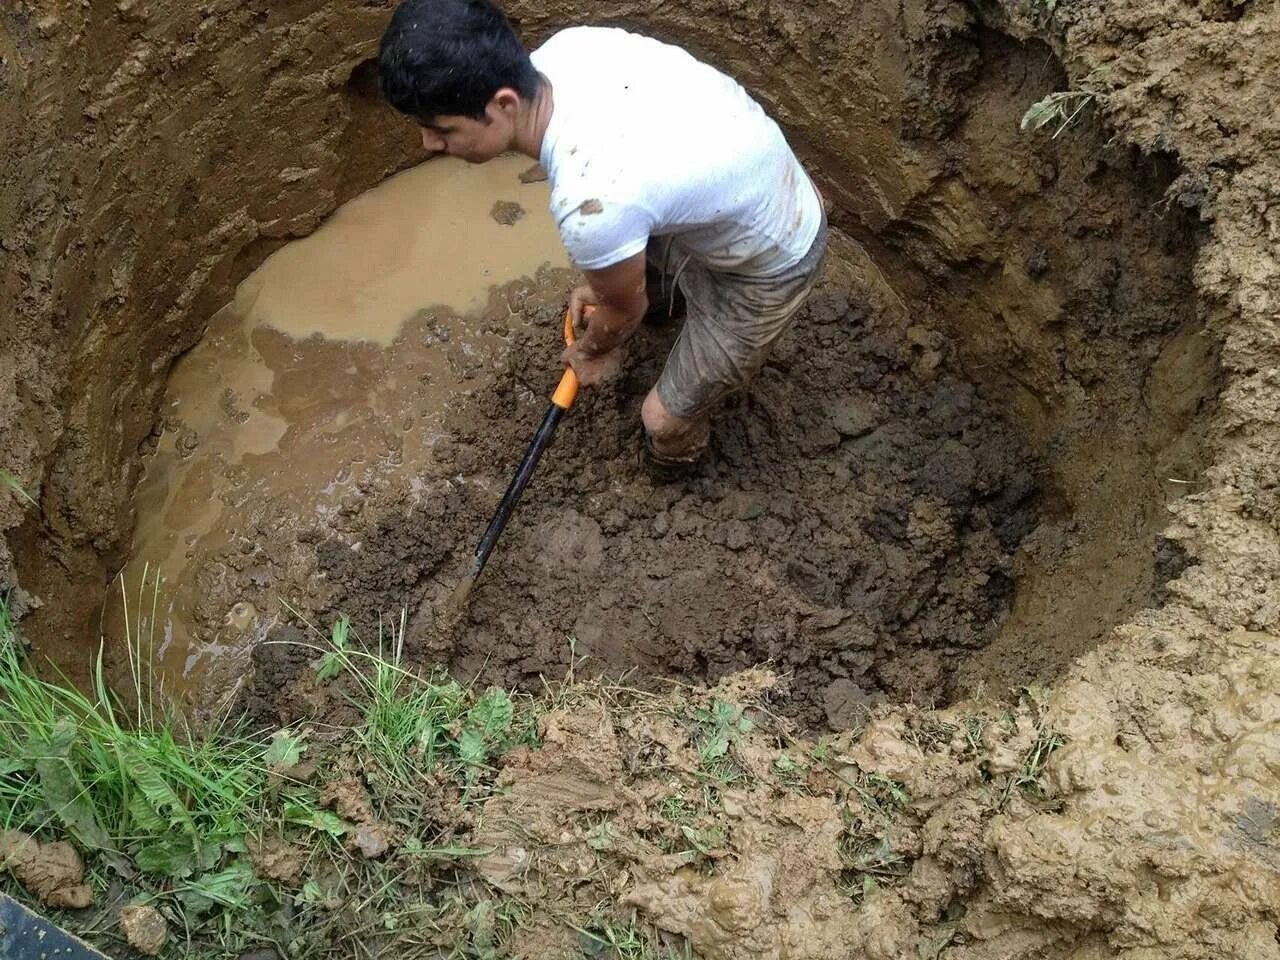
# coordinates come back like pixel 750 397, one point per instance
pixel 950 477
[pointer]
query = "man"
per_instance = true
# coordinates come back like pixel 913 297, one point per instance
pixel 653 157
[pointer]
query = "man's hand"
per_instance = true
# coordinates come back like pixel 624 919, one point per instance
pixel 592 368
pixel 579 299
pixel 610 306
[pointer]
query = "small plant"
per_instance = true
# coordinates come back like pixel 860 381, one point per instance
pixel 881 796
pixel 876 858
pixel 716 729
pixel 175 813
pixel 931 733
pixel 792 772
pixel 974 727
pixel 489 925
pixel 867 850
pixel 608 939
pixel 703 839
pixel 858 887
pixel 154 796
pixel 412 724
pixel 675 808
pixel 1063 107
pixel 1027 777
pixel 7 479
pixel 331 663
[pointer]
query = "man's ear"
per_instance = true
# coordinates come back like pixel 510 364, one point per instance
pixel 506 100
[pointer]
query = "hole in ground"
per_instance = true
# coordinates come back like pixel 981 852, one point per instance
pixel 951 477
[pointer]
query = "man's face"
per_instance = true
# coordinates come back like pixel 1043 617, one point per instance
pixel 475 141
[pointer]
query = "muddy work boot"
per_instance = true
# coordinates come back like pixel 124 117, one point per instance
pixel 679 446
pixel 664 468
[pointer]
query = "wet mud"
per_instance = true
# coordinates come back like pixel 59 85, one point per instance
pixel 327 376
pixel 854 524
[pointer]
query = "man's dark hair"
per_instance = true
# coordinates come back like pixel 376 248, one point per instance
pixel 450 57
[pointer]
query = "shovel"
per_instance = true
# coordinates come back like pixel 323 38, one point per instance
pixel 561 400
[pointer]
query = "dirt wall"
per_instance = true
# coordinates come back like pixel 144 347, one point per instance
pixel 154 153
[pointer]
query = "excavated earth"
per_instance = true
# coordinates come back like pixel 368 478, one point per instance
pixel 1025 433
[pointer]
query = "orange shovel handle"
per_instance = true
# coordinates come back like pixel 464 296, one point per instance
pixel 567 391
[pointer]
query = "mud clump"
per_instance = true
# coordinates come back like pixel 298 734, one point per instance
pixel 145 929
pixel 52 872
pixel 506 212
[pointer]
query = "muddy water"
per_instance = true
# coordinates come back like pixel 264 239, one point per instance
pixel 327 375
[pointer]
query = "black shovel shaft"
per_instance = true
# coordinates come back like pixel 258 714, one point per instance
pixel 541 440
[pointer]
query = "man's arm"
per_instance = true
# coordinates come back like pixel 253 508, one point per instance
pixel 618 295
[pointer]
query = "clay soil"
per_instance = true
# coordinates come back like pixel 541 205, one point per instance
pixel 1023 436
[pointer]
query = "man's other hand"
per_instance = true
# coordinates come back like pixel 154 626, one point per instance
pixel 579 299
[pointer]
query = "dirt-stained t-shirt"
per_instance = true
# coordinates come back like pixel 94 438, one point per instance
pixel 644 140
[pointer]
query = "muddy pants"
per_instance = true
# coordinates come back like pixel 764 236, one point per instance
pixel 732 322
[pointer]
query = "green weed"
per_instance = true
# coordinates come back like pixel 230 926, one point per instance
pixel 675 808
pixel 793 772
pixel 7 479
pixel 166 808
pixel 866 849
pixel 489 925
pixel 608 939
pixel 413 725
pixel 1063 107
pixel 1027 777
pixel 161 796
pixel 716 728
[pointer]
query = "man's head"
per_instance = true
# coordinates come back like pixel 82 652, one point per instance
pixel 458 68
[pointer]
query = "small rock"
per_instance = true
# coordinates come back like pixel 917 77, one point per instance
pixel 371 840
pixel 846 704
pixel 187 442
pixel 144 928
pixel 534 174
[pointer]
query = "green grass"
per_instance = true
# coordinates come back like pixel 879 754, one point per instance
pixel 605 938
pixel 413 724
pixel 158 795
pixel 163 810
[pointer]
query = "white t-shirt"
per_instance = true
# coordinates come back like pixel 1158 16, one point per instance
pixel 645 140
